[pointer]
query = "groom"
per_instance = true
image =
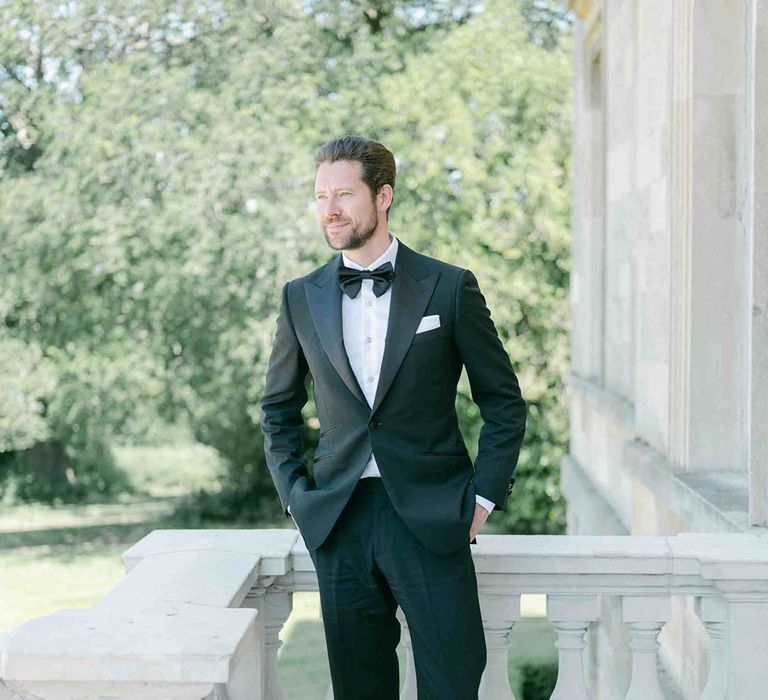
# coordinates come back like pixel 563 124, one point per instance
pixel 392 502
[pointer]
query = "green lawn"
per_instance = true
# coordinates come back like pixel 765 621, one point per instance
pixel 36 581
pixel 69 556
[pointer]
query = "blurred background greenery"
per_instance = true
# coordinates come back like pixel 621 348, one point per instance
pixel 156 172
pixel 157 190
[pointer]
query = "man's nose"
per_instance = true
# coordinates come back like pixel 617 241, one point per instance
pixel 333 207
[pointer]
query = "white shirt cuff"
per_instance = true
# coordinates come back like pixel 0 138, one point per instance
pixel 485 503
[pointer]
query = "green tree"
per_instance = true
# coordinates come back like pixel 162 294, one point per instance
pixel 157 191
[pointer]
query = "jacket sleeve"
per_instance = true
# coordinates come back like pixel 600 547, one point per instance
pixel 284 396
pixel 495 390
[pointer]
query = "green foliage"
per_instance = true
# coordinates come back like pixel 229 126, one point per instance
pixel 51 473
pixel 54 416
pixel 157 191
pixel 539 680
pixel 25 376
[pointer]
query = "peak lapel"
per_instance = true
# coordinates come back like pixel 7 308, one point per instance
pixel 324 300
pixel 412 289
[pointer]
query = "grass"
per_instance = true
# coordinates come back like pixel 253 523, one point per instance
pixel 70 556
pixel 170 470
pixel 36 581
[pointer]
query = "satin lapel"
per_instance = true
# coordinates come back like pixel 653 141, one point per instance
pixel 412 289
pixel 324 300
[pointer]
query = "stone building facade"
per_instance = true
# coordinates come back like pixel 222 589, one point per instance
pixel 668 391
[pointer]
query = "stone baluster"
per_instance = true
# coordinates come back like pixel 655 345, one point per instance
pixel 500 610
pixel 711 611
pixel 274 602
pixel 571 616
pixel 644 617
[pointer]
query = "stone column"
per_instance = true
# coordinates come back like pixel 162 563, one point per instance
pixel 274 601
pixel 757 119
pixel 571 616
pixel 644 617
pixel 500 611
pixel 711 611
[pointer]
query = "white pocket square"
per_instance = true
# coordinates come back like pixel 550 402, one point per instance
pixel 427 323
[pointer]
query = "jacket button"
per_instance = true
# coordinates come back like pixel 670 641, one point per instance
pixel 375 423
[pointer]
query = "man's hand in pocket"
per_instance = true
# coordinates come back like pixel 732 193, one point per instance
pixel 481 515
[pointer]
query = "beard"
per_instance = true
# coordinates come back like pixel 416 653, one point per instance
pixel 353 236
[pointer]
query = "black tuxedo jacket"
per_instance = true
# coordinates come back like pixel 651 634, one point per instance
pixel 412 427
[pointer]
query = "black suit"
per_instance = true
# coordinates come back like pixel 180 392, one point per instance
pixel 412 428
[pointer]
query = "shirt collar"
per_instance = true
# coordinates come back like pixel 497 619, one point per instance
pixel 389 255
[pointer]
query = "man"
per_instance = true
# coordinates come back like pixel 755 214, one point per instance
pixel 392 503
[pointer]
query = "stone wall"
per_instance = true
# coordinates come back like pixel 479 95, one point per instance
pixel 669 296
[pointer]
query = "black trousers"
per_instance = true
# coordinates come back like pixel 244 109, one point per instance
pixel 369 564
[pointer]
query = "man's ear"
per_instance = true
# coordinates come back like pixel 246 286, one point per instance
pixel 385 196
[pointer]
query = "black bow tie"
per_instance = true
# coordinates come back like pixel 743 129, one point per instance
pixel 351 279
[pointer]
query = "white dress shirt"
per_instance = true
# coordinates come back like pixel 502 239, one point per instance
pixel 364 322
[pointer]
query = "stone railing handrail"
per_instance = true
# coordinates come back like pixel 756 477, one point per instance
pixel 199 612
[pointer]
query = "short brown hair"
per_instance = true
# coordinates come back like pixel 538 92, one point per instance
pixel 378 163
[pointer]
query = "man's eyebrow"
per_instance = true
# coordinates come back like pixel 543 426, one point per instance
pixel 335 189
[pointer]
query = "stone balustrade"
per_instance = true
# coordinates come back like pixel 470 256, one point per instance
pixel 198 615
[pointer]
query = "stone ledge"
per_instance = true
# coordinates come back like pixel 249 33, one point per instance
pixel 707 500
pixel 174 621
pixel 273 546
pixel 183 643
pixel 195 577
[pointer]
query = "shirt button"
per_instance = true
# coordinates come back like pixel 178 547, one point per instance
pixel 368 303
pixel 367 340
pixel 370 379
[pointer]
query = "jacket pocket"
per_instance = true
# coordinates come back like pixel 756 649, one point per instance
pixel 326 445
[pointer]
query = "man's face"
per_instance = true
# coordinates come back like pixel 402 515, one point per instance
pixel 345 210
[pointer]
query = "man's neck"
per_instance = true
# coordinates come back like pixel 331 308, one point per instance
pixel 372 249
